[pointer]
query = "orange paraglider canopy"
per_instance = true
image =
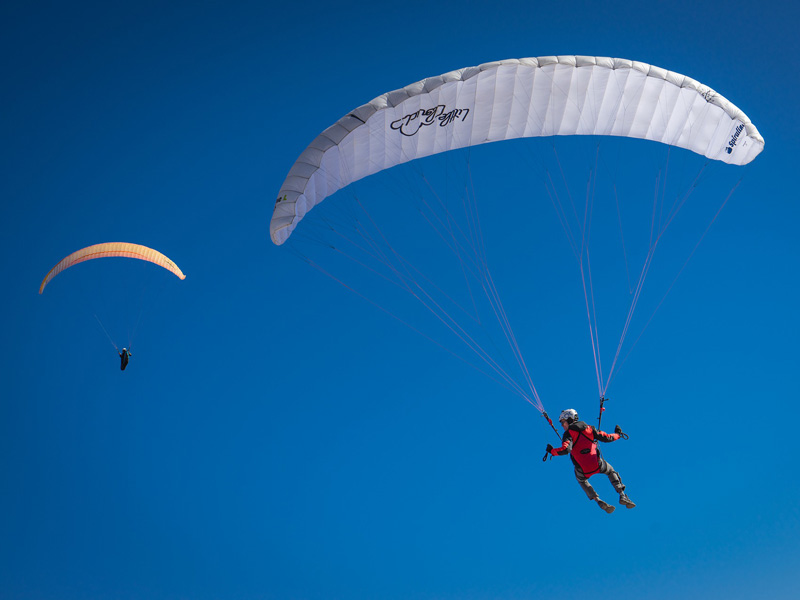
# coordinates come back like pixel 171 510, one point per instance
pixel 112 249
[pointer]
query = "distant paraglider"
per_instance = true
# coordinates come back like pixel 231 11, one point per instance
pixel 112 250
pixel 124 356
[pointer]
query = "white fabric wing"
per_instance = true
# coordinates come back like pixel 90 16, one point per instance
pixel 554 95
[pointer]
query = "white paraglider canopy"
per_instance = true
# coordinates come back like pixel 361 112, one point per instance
pixel 530 97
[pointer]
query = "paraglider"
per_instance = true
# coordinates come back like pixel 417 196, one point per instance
pixel 112 250
pixel 124 356
pixel 504 100
pixel 580 442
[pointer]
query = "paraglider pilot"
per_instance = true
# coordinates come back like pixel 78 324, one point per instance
pixel 124 356
pixel 580 442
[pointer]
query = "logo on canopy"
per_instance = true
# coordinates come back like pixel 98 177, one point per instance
pixel 410 124
pixel 734 138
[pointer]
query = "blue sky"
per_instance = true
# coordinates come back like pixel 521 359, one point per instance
pixel 276 436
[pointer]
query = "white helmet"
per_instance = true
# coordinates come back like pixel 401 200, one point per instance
pixel 570 415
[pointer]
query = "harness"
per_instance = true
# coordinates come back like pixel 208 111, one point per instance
pixel 584 453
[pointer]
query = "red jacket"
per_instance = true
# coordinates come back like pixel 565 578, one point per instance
pixel 580 441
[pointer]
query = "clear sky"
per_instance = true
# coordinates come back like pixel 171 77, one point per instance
pixel 278 437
